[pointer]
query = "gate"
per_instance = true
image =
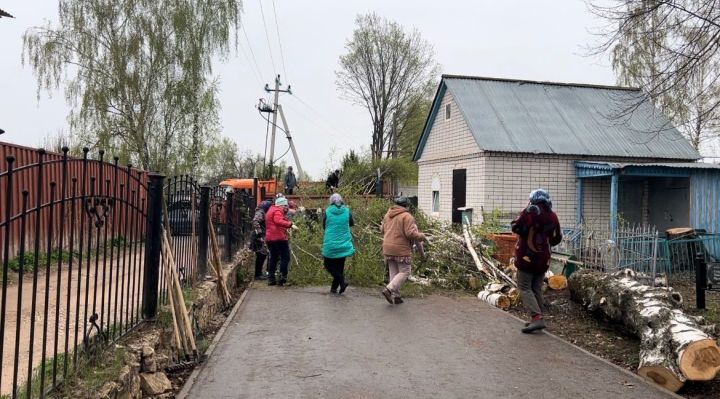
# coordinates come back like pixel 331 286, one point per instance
pixel 75 271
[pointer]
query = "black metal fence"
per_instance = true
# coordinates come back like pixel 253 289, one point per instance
pixel 81 257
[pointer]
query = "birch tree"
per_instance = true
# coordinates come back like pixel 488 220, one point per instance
pixel 670 49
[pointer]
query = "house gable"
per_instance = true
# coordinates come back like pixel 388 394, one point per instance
pixel 443 136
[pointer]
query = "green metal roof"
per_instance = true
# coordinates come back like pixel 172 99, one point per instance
pixel 558 118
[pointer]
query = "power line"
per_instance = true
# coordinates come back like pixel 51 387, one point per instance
pixel 277 29
pixel 257 68
pixel 267 36
pixel 320 115
pixel 252 67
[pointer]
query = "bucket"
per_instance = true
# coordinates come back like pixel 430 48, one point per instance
pixel 504 246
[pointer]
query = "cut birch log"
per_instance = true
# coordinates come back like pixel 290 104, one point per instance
pixel 673 346
pixel 558 282
pixel 497 299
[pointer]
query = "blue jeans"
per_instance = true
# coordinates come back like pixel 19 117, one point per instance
pixel 279 251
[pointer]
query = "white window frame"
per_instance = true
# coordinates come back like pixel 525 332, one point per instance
pixel 448 112
pixel 435 201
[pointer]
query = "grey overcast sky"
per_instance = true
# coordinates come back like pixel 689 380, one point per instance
pixel 524 39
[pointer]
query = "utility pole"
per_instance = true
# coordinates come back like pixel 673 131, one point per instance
pixel 277 109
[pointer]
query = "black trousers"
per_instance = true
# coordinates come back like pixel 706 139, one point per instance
pixel 279 252
pixel 259 262
pixel 336 268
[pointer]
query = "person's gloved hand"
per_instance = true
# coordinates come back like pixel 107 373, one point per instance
pixel 294 227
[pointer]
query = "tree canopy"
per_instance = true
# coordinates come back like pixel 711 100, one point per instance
pixel 137 74
pixel 670 49
pixel 387 70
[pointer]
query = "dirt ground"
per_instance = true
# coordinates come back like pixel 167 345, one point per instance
pixel 569 320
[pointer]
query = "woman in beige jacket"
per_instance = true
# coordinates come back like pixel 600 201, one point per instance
pixel 399 232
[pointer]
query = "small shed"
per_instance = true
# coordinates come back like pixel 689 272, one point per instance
pixel 488 142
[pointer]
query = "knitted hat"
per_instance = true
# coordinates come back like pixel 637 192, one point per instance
pixel 539 196
pixel 336 199
pixel 265 205
pixel 281 201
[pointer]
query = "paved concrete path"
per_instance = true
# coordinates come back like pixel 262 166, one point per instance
pixel 306 343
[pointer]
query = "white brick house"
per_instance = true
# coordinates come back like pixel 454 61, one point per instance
pixel 508 137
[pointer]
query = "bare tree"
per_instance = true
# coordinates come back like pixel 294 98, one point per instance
pixel 384 70
pixel 670 49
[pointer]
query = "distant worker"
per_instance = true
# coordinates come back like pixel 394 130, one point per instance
pixel 276 237
pixel 538 230
pixel 337 242
pixel 257 239
pixel 333 181
pixel 290 181
pixel 399 232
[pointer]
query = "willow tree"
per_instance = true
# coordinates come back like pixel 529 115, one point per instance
pixel 386 69
pixel 136 73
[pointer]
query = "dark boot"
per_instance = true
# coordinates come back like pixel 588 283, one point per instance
pixel 388 295
pixel 282 281
pixel 398 300
pixel 536 324
pixel 272 281
pixel 343 287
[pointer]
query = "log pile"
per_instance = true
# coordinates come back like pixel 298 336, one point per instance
pixel 502 290
pixel 674 347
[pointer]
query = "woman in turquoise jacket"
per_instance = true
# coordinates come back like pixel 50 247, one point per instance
pixel 337 241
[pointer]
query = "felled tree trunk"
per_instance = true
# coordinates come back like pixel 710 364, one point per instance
pixel 673 346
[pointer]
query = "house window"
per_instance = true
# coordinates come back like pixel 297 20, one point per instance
pixel 447 111
pixel 435 201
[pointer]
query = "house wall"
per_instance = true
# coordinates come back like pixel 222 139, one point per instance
pixel 704 200
pixel 450 146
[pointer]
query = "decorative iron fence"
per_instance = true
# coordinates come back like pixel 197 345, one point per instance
pixel 636 247
pixel 73 233
pixel 81 249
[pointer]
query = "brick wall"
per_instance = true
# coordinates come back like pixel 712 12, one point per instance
pixel 449 137
pixel 442 172
pixel 450 146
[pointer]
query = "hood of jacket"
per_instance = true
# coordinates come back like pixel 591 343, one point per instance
pixel 395 210
pixel 335 210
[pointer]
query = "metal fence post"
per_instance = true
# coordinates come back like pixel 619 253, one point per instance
pixel 153 223
pixel 700 279
pixel 229 225
pixel 203 232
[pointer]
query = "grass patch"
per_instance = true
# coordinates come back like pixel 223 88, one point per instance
pixel 28 260
pixel 94 373
pixel 35 381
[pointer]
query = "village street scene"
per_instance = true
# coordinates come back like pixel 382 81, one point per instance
pixel 360 199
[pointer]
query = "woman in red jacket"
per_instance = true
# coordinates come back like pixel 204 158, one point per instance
pixel 276 237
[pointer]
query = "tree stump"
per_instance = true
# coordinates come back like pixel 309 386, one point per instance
pixel 674 347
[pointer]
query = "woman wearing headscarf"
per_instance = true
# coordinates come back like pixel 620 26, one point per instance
pixel 276 237
pixel 257 238
pixel 337 241
pixel 538 230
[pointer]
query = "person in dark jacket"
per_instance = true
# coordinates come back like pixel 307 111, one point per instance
pixel 337 241
pixel 257 239
pixel 333 181
pixel 290 181
pixel 276 237
pixel 538 230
